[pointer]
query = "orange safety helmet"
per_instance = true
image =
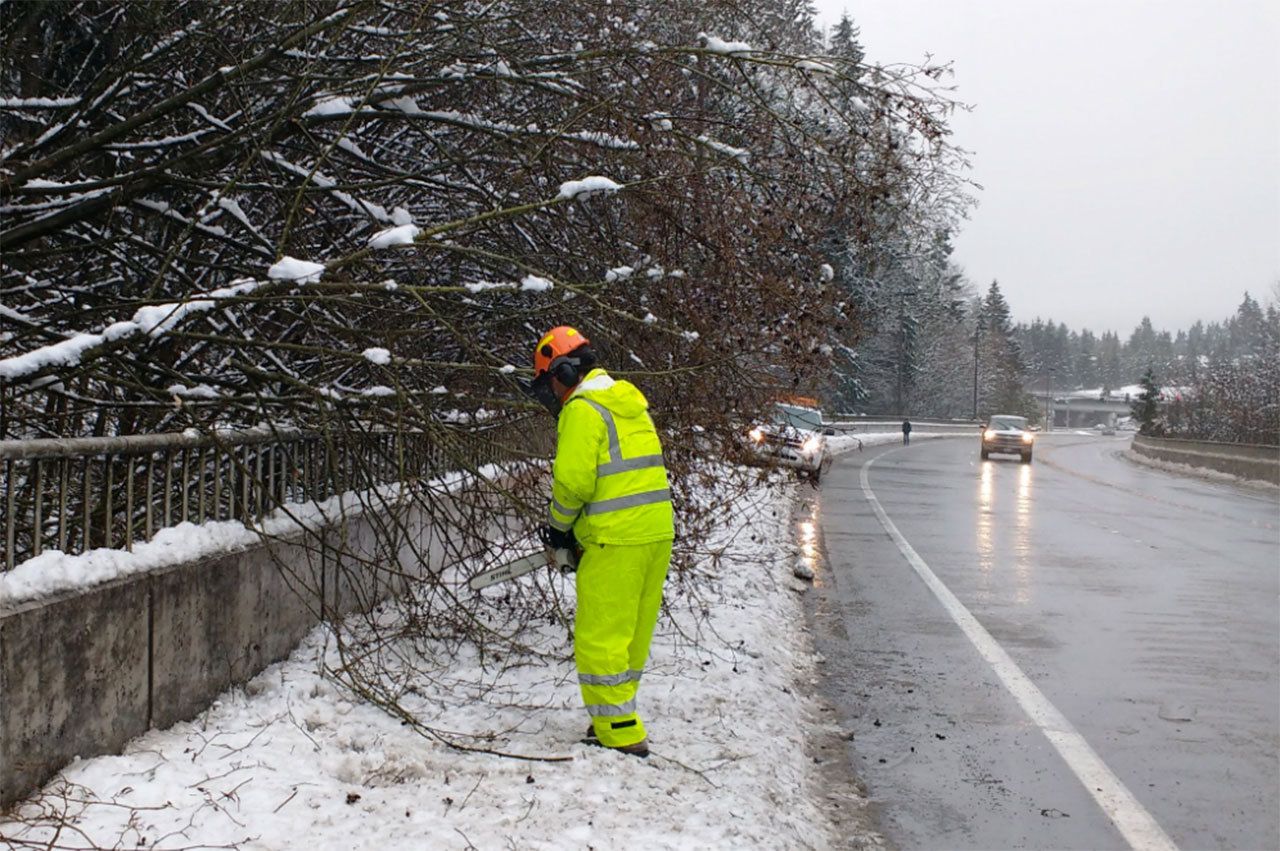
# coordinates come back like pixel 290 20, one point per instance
pixel 555 344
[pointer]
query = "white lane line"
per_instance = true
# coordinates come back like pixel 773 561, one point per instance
pixel 1133 821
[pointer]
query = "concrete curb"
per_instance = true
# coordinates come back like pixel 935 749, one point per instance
pixel 1247 461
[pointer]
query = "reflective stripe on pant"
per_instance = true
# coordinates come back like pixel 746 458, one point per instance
pixel 619 594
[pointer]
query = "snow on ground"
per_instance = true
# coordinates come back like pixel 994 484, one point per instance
pixel 293 761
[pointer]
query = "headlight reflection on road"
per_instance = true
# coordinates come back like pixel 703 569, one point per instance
pixel 1022 543
pixel 809 541
pixel 986 507
pixel 990 562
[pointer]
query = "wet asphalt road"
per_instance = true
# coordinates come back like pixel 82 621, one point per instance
pixel 1143 605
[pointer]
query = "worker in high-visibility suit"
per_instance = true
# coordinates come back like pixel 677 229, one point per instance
pixel 610 498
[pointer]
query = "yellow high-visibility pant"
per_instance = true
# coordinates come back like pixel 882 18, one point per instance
pixel 619 594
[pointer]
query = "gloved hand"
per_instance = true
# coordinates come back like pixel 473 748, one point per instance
pixel 554 539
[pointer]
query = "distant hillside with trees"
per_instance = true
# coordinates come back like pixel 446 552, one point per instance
pixel 1220 380
pixel 932 345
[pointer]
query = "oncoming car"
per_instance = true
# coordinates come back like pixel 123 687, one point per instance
pixel 796 438
pixel 1007 434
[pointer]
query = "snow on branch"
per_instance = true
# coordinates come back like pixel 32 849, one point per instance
pixel 152 321
pixel 586 187
pixel 399 235
pixel 727 48
pixel 292 269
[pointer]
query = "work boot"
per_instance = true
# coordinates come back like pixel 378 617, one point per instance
pixel 640 748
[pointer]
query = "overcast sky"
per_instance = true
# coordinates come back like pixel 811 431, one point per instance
pixel 1129 150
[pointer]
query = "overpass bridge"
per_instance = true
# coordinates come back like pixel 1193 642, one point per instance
pixel 1081 411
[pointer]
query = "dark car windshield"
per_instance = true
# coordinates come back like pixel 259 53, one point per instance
pixel 1009 423
pixel 798 417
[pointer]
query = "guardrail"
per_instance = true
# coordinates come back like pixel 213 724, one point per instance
pixel 873 424
pixel 79 494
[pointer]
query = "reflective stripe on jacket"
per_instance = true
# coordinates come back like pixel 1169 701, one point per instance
pixel 610 485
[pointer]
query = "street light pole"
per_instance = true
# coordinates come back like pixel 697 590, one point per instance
pixel 1048 399
pixel 977 331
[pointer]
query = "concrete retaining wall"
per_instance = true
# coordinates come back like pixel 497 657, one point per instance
pixel 1244 460
pixel 83 672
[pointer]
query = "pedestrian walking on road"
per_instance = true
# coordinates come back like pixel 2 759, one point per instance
pixel 610 499
pixel 906 432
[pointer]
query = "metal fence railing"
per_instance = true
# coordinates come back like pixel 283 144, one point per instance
pixel 79 494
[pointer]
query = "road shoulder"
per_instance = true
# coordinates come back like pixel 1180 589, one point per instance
pixel 829 744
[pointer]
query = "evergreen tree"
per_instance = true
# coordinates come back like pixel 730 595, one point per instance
pixel 845 40
pixel 1001 370
pixel 1145 407
pixel 1110 362
pixel 1247 329
pixel 1087 370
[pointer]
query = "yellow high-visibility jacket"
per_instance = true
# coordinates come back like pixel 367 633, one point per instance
pixel 610 485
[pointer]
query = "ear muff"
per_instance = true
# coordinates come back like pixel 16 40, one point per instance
pixel 565 369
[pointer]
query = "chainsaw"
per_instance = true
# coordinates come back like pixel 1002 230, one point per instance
pixel 564 559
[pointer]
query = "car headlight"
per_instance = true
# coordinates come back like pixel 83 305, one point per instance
pixel 812 445
pixel 989 434
pixel 1027 437
pixel 756 434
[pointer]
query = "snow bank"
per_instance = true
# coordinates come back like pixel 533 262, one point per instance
pixel 290 269
pixel 587 186
pixel 1205 473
